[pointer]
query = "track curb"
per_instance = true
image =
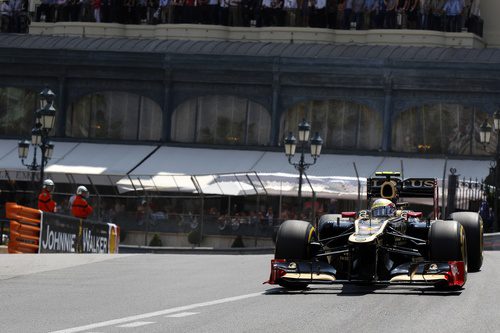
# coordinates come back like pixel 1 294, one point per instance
pixel 195 250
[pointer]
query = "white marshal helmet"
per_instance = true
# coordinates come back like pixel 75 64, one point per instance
pixel 82 190
pixel 48 184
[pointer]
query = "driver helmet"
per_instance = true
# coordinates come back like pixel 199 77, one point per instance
pixel 82 190
pixel 48 184
pixel 383 208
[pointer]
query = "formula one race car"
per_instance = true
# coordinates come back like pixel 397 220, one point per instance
pixel 386 244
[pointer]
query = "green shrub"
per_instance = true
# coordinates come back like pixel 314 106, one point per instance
pixel 156 241
pixel 238 242
pixel 195 237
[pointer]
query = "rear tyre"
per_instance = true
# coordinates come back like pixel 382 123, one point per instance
pixel 292 243
pixel 447 242
pixel 473 225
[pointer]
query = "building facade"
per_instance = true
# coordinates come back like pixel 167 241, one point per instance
pixel 362 99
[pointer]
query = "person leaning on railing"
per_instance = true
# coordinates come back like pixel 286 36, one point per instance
pixel 474 23
pixel 453 10
pixel 6 15
pixel 334 14
pixel 436 15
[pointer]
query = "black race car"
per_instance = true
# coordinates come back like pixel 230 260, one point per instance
pixel 400 247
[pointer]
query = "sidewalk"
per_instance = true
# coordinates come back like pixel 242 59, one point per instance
pixel 25 264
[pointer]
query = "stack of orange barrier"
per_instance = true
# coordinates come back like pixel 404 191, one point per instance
pixel 24 228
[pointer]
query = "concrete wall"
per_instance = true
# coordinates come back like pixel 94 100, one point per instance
pixel 268 34
pixel 386 85
pixel 490 9
pixel 180 240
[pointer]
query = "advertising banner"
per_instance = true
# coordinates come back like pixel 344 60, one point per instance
pixel 66 234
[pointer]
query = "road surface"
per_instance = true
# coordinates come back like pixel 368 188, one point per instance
pixel 222 293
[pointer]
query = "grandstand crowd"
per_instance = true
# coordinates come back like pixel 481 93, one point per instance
pixel 440 15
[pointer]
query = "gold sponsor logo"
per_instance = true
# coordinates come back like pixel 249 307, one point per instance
pixel 418 277
pixel 309 276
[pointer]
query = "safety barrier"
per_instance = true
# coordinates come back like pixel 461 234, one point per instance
pixel 34 231
pixel 492 241
pixel 24 228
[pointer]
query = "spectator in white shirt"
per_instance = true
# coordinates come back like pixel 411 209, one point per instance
pixel 318 17
pixel 290 9
pixel 223 12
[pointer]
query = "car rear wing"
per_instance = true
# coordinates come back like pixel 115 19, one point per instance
pixel 393 188
pixel 419 188
pixel 407 188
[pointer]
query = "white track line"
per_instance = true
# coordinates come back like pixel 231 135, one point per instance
pixel 137 324
pixel 182 314
pixel 156 313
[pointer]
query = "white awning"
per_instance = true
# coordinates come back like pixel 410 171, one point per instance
pixel 11 166
pixel 339 165
pixel 196 161
pixel 333 175
pixel 246 172
pixel 9 157
pixel 76 162
pixel 193 161
pixel 100 159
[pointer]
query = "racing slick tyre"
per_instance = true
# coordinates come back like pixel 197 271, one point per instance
pixel 473 225
pixel 447 242
pixel 292 242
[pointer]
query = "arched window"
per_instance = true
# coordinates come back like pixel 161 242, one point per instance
pixel 114 115
pixel 439 129
pixel 341 124
pixel 221 120
pixel 17 111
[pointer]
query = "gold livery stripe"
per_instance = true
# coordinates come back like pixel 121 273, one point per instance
pixel 418 277
pixel 308 276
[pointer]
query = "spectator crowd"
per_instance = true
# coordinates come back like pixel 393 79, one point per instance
pixel 14 16
pixel 440 15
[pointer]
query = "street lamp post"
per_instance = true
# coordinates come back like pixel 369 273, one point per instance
pixel 290 146
pixel 484 137
pixel 44 123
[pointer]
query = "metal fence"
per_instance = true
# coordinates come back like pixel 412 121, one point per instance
pixel 474 195
pixel 226 204
pixel 470 194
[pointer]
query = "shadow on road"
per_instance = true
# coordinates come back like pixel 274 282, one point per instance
pixel 353 290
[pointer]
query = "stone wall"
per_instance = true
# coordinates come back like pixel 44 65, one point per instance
pixel 268 34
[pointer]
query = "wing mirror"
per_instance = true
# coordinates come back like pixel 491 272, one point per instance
pixel 364 214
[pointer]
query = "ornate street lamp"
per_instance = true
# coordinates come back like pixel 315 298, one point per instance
pixel 47 116
pixel 484 137
pixel 290 146
pixel 44 123
pixel 485 133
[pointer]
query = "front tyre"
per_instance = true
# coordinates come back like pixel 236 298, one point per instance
pixel 447 242
pixel 473 225
pixel 293 243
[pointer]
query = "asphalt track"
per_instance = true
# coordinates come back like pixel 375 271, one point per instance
pixel 223 293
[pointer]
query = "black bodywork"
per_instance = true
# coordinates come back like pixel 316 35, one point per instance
pixel 354 247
